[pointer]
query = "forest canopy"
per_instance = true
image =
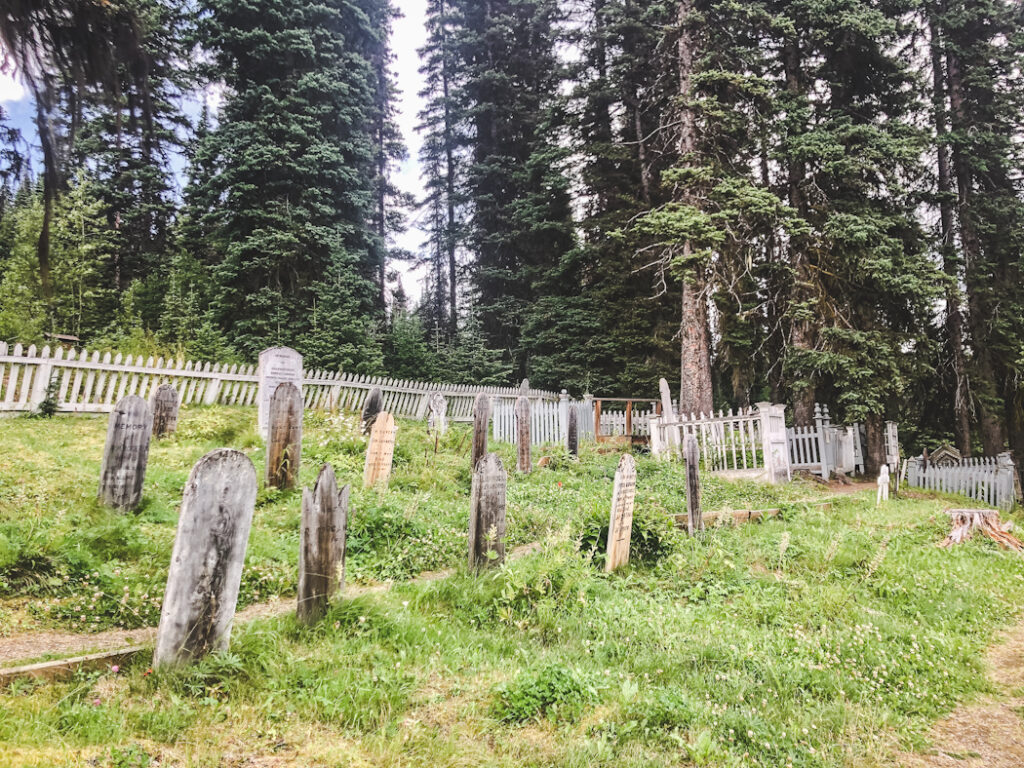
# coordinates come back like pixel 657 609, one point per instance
pixel 803 201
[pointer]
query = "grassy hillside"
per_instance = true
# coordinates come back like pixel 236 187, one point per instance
pixel 821 638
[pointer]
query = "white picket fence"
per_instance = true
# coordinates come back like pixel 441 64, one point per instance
pixel 549 420
pixel 988 479
pixel 88 382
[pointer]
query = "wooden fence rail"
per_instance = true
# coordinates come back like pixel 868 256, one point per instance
pixel 88 382
pixel 988 479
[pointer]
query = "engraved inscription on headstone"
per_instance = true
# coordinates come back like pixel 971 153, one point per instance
pixel 380 451
pixel 277 366
pixel 284 446
pixel 164 404
pixel 620 526
pixel 372 406
pixel 126 453
pixel 481 419
pixel 572 434
pixel 437 416
pixel 206 563
pixel 524 463
pixel 322 545
pixel 487 513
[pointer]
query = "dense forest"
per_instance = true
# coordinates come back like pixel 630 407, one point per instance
pixel 801 201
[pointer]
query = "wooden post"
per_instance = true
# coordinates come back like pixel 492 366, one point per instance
pixel 164 403
pixel 694 517
pixel 629 422
pixel 883 485
pixel 597 421
pixel 126 453
pixel 481 418
pixel 380 451
pixel 284 443
pixel 573 437
pixel 620 525
pixel 523 436
pixel 322 546
pixel 487 513
pixel 372 405
pixel 206 564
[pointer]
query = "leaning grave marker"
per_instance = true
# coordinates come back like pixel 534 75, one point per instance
pixel 284 441
pixel 487 513
pixel 206 563
pixel 164 404
pixel 322 545
pixel 380 451
pixel 125 453
pixel 277 366
pixel 572 433
pixel 372 407
pixel 620 526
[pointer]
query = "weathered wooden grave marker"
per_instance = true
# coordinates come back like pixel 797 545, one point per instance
pixel 277 366
pixel 481 419
pixel 620 526
pixel 523 442
pixel 437 415
pixel 524 388
pixel 164 404
pixel 668 415
pixel 883 485
pixel 126 453
pixel 206 563
pixel 372 406
pixel 694 516
pixel 487 513
pixel 322 545
pixel 572 433
pixel 380 451
pixel 284 446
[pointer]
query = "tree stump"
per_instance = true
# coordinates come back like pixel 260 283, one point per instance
pixel 126 453
pixel 372 406
pixel 481 419
pixel 206 563
pixel 322 545
pixel 164 404
pixel 487 513
pixel 523 437
pixel 284 444
pixel 966 521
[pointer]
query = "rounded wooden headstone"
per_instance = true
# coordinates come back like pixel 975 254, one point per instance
pixel 322 545
pixel 372 406
pixel 487 513
pixel 164 404
pixel 620 526
pixel 572 436
pixel 437 415
pixel 524 388
pixel 206 563
pixel 481 419
pixel 523 438
pixel 380 451
pixel 284 441
pixel 126 453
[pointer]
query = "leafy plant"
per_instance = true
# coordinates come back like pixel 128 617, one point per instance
pixel 552 691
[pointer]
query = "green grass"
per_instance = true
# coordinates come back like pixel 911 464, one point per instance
pixel 821 638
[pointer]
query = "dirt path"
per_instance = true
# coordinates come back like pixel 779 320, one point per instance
pixel 26 646
pixel 990 732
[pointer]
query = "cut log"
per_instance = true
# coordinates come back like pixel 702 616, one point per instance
pixel 966 521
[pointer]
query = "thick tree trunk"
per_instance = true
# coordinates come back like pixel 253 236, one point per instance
pixel 695 389
pixel 950 262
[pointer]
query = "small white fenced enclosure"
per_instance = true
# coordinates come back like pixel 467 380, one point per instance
pixel 988 479
pixel 88 382
pixel 822 448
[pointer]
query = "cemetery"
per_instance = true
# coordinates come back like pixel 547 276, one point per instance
pixel 388 580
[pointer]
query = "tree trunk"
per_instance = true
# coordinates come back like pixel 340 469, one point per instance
pixel 449 235
pixel 950 262
pixel 51 180
pixel 695 389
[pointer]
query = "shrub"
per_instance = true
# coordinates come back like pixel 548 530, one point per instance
pixel 553 691
pixel 654 534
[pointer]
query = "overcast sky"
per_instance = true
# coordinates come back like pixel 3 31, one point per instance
pixel 409 35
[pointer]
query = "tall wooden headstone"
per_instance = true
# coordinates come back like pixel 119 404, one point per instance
pixel 277 366
pixel 284 445
pixel 524 388
pixel 620 526
pixel 372 406
pixel 481 419
pixel 694 516
pixel 164 404
pixel 487 513
pixel 125 453
pixel 437 415
pixel 322 545
pixel 206 563
pixel 523 438
pixel 380 451
pixel 668 415
pixel 572 434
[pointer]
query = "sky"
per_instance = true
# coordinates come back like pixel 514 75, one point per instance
pixel 409 34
